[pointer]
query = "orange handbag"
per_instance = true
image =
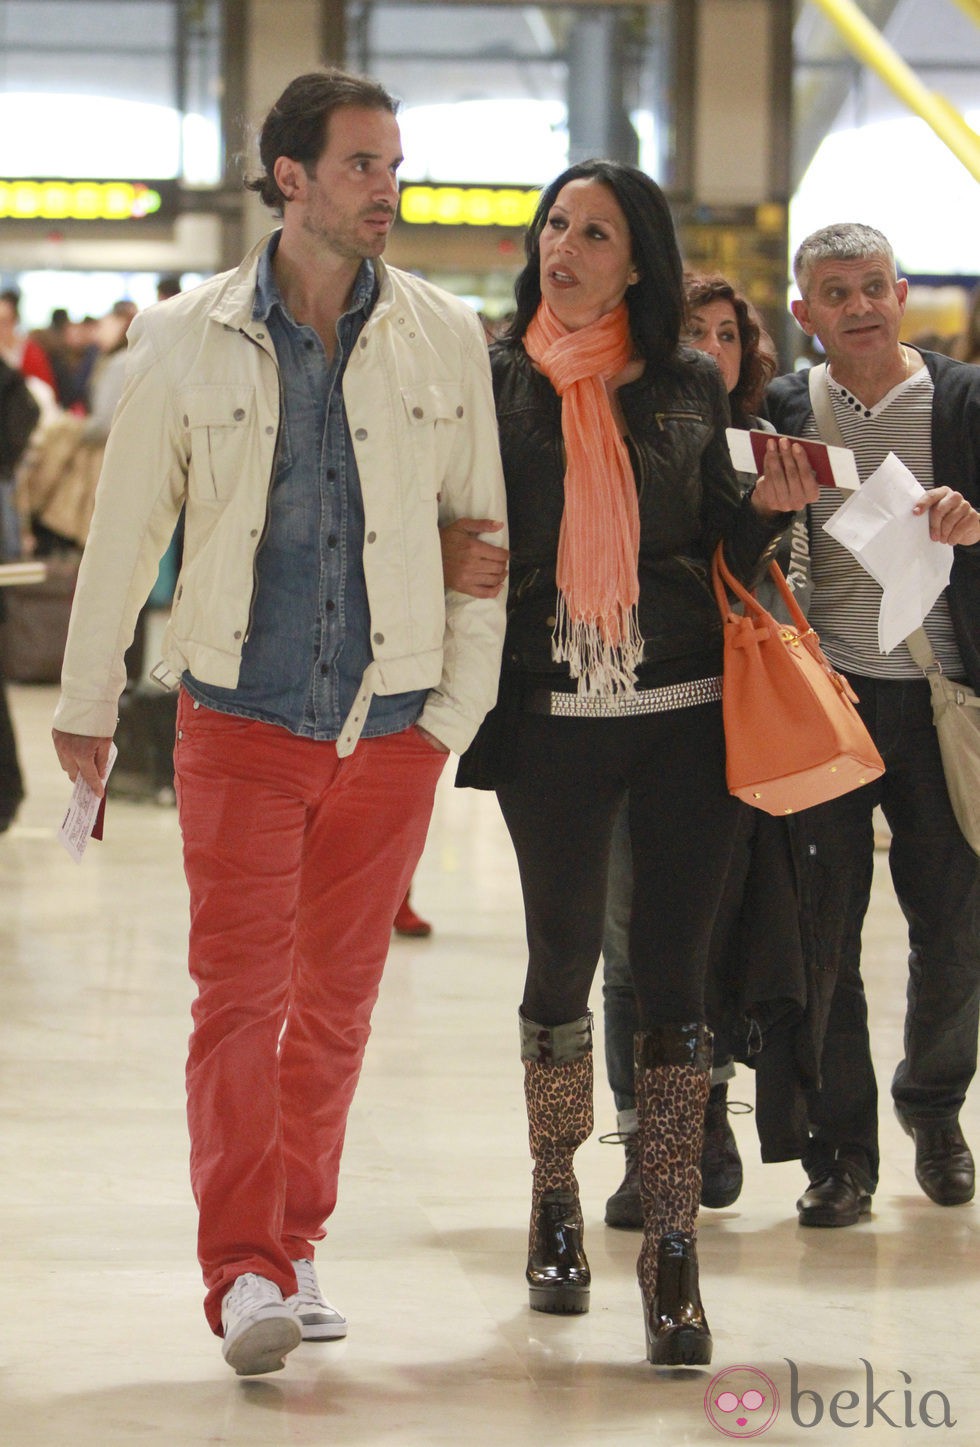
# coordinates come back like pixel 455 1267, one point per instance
pixel 793 737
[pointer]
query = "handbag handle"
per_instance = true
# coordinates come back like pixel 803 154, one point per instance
pixel 722 577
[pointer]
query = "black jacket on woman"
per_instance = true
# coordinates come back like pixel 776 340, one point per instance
pixel 689 498
pixel 688 494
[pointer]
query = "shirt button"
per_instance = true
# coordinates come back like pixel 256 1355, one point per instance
pixel 331 474
pixel 324 667
pixel 372 537
pixel 417 412
pixel 239 414
pixel 379 638
pixel 330 605
pixel 361 433
pixel 332 540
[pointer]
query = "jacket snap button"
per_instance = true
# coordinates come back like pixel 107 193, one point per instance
pixel 417 412
pixel 361 433
pixel 379 638
pixel 238 633
pixel 254 533
pixel 270 431
pixel 372 537
pixel 239 414
pixel 185 420
pixel 459 411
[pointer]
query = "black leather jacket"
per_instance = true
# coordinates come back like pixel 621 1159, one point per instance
pixel 689 498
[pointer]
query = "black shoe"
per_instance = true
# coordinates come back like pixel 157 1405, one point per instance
pixel 676 1327
pixel 558 1275
pixel 721 1164
pixel 624 1208
pixel 943 1161
pixel 835 1200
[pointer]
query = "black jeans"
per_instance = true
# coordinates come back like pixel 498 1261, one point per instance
pixel 560 802
pixel 937 881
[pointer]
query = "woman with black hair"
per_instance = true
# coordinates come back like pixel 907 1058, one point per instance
pixel 619 486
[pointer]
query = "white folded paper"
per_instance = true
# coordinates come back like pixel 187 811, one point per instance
pixel 877 526
pixel 82 812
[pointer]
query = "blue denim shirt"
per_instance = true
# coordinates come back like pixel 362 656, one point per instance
pixel 309 642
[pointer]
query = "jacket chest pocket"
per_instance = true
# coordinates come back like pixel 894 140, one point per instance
pixel 434 412
pixel 676 442
pixel 219 423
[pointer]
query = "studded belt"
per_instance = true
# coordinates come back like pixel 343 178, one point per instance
pixel 624 705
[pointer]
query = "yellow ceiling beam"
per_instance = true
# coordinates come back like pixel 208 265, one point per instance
pixel 970 8
pixel 870 46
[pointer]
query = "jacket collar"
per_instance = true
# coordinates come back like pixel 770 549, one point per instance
pixel 236 297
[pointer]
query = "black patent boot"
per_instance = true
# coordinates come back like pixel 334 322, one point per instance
pixel 558 1276
pixel 558 1092
pixel 673 1067
pixel 676 1326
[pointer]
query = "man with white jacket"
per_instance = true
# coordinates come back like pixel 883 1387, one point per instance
pixel 319 416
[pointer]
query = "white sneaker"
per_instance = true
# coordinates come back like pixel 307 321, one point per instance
pixel 320 1321
pixel 259 1327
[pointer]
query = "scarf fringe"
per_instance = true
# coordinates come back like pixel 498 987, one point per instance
pixel 600 666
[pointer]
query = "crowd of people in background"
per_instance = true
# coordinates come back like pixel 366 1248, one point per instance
pixel 741 937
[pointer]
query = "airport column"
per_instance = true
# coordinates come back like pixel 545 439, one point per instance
pixel 265 44
pixel 729 176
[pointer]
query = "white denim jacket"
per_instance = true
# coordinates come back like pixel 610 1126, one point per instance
pixel 198 423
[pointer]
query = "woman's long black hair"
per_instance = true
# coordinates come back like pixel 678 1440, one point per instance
pixel 656 301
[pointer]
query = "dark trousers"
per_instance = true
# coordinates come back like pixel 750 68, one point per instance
pixel 560 802
pixel 937 881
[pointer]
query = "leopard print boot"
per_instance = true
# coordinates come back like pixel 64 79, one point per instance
pixel 673 1076
pixel 558 1092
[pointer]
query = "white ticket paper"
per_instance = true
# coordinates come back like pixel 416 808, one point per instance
pixel 83 810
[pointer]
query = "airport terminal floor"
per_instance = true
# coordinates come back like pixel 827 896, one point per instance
pixel 102 1338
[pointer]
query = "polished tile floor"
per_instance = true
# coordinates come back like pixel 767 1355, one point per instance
pixel 102 1340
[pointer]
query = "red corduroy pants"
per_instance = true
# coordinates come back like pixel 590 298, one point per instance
pixel 296 861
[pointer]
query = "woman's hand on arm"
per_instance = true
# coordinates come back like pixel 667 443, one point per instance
pixel 469 565
pixel 788 482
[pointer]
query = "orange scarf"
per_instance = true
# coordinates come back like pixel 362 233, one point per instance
pixel 597 633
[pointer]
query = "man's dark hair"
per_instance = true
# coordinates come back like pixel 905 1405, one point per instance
pixel 168 286
pixel 296 126
pixel 656 301
pixel 12 295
